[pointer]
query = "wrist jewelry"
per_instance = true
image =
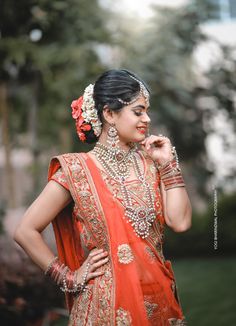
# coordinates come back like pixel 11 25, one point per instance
pixel 170 173
pixel 65 277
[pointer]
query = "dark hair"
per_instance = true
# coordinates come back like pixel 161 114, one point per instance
pixel 109 87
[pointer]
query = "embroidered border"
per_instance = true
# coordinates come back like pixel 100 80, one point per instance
pixel 80 311
pixel 150 255
pixel 177 322
pixel 91 213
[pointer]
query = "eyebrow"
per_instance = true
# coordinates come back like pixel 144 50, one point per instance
pixel 140 107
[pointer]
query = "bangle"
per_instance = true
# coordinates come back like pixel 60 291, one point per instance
pixel 66 278
pixel 174 159
pixel 47 270
pixel 170 173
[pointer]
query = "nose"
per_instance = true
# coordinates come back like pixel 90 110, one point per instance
pixel 146 118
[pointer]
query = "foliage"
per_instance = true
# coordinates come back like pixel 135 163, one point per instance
pixel 48 54
pixel 199 240
pixel 163 54
pixel 207 290
pixel 23 299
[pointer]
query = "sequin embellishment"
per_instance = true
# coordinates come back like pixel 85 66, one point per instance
pixel 125 255
pixel 123 318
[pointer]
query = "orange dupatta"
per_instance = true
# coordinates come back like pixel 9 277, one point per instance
pixel 133 276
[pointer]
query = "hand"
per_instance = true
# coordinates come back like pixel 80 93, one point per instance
pixel 95 259
pixel 159 148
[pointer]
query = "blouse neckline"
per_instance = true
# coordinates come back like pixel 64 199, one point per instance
pixel 144 167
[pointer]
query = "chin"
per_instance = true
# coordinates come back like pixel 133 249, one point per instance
pixel 139 138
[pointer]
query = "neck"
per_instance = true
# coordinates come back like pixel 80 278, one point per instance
pixel 122 145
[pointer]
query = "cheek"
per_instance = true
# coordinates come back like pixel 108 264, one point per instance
pixel 128 126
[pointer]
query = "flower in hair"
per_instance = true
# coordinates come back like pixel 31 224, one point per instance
pixel 85 114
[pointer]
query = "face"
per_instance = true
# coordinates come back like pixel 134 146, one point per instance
pixel 132 121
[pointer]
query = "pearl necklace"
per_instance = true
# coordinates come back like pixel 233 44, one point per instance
pixel 117 162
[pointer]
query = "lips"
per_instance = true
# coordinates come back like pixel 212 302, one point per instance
pixel 142 130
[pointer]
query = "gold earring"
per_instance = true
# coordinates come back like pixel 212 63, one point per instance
pixel 112 136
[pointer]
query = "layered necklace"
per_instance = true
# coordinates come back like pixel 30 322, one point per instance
pixel 117 163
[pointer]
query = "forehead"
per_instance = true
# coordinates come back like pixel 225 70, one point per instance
pixel 139 103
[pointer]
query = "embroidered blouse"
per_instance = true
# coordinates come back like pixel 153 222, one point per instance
pixel 138 286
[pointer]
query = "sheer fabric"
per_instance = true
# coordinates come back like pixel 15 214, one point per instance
pixel 138 286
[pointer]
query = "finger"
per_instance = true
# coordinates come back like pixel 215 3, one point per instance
pixel 152 140
pixel 99 264
pixel 143 141
pixel 95 252
pixel 94 274
pixel 96 258
pixel 156 139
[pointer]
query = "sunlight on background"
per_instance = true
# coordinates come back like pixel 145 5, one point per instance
pixel 143 7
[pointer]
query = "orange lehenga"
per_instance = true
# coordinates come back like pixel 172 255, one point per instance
pixel 138 286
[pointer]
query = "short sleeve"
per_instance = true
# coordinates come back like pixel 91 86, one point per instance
pixel 60 178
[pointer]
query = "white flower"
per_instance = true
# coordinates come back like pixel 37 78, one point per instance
pixel 89 112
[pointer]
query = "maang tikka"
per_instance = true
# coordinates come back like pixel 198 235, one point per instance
pixel 112 136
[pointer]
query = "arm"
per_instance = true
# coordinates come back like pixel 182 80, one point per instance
pixel 176 204
pixel 177 208
pixel 42 211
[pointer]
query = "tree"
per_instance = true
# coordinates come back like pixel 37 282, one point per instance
pixel 47 54
pixel 162 53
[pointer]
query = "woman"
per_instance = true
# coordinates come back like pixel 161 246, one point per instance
pixel 108 208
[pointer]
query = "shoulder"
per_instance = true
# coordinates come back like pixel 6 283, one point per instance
pixel 67 157
pixel 64 161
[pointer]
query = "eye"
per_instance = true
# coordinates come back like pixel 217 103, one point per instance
pixel 138 113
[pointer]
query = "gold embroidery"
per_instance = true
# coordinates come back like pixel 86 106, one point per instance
pixel 173 286
pixel 102 295
pixel 95 306
pixel 150 308
pixel 177 322
pixel 150 254
pixel 123 317
pixel 60 176
pixel 124 253
pixel 175 291
pixel 80 310
pixel 83 195
pixel 156 236
pixel 157 307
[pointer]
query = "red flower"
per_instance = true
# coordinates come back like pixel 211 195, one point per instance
pixel 80 128
pixel 86 127
pixel 76 106
pixel 82 136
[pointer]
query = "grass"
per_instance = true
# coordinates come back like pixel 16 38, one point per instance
pixel 207 290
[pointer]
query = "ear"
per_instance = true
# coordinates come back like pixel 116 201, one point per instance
pixel 108 114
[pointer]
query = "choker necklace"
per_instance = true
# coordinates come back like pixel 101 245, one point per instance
pixel 117 162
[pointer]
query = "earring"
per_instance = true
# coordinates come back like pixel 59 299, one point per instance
pixel 112 136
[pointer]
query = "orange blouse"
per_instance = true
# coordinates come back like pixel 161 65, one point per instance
pixel 138 286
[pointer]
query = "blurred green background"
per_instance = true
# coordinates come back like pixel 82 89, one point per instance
pixel 185 51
